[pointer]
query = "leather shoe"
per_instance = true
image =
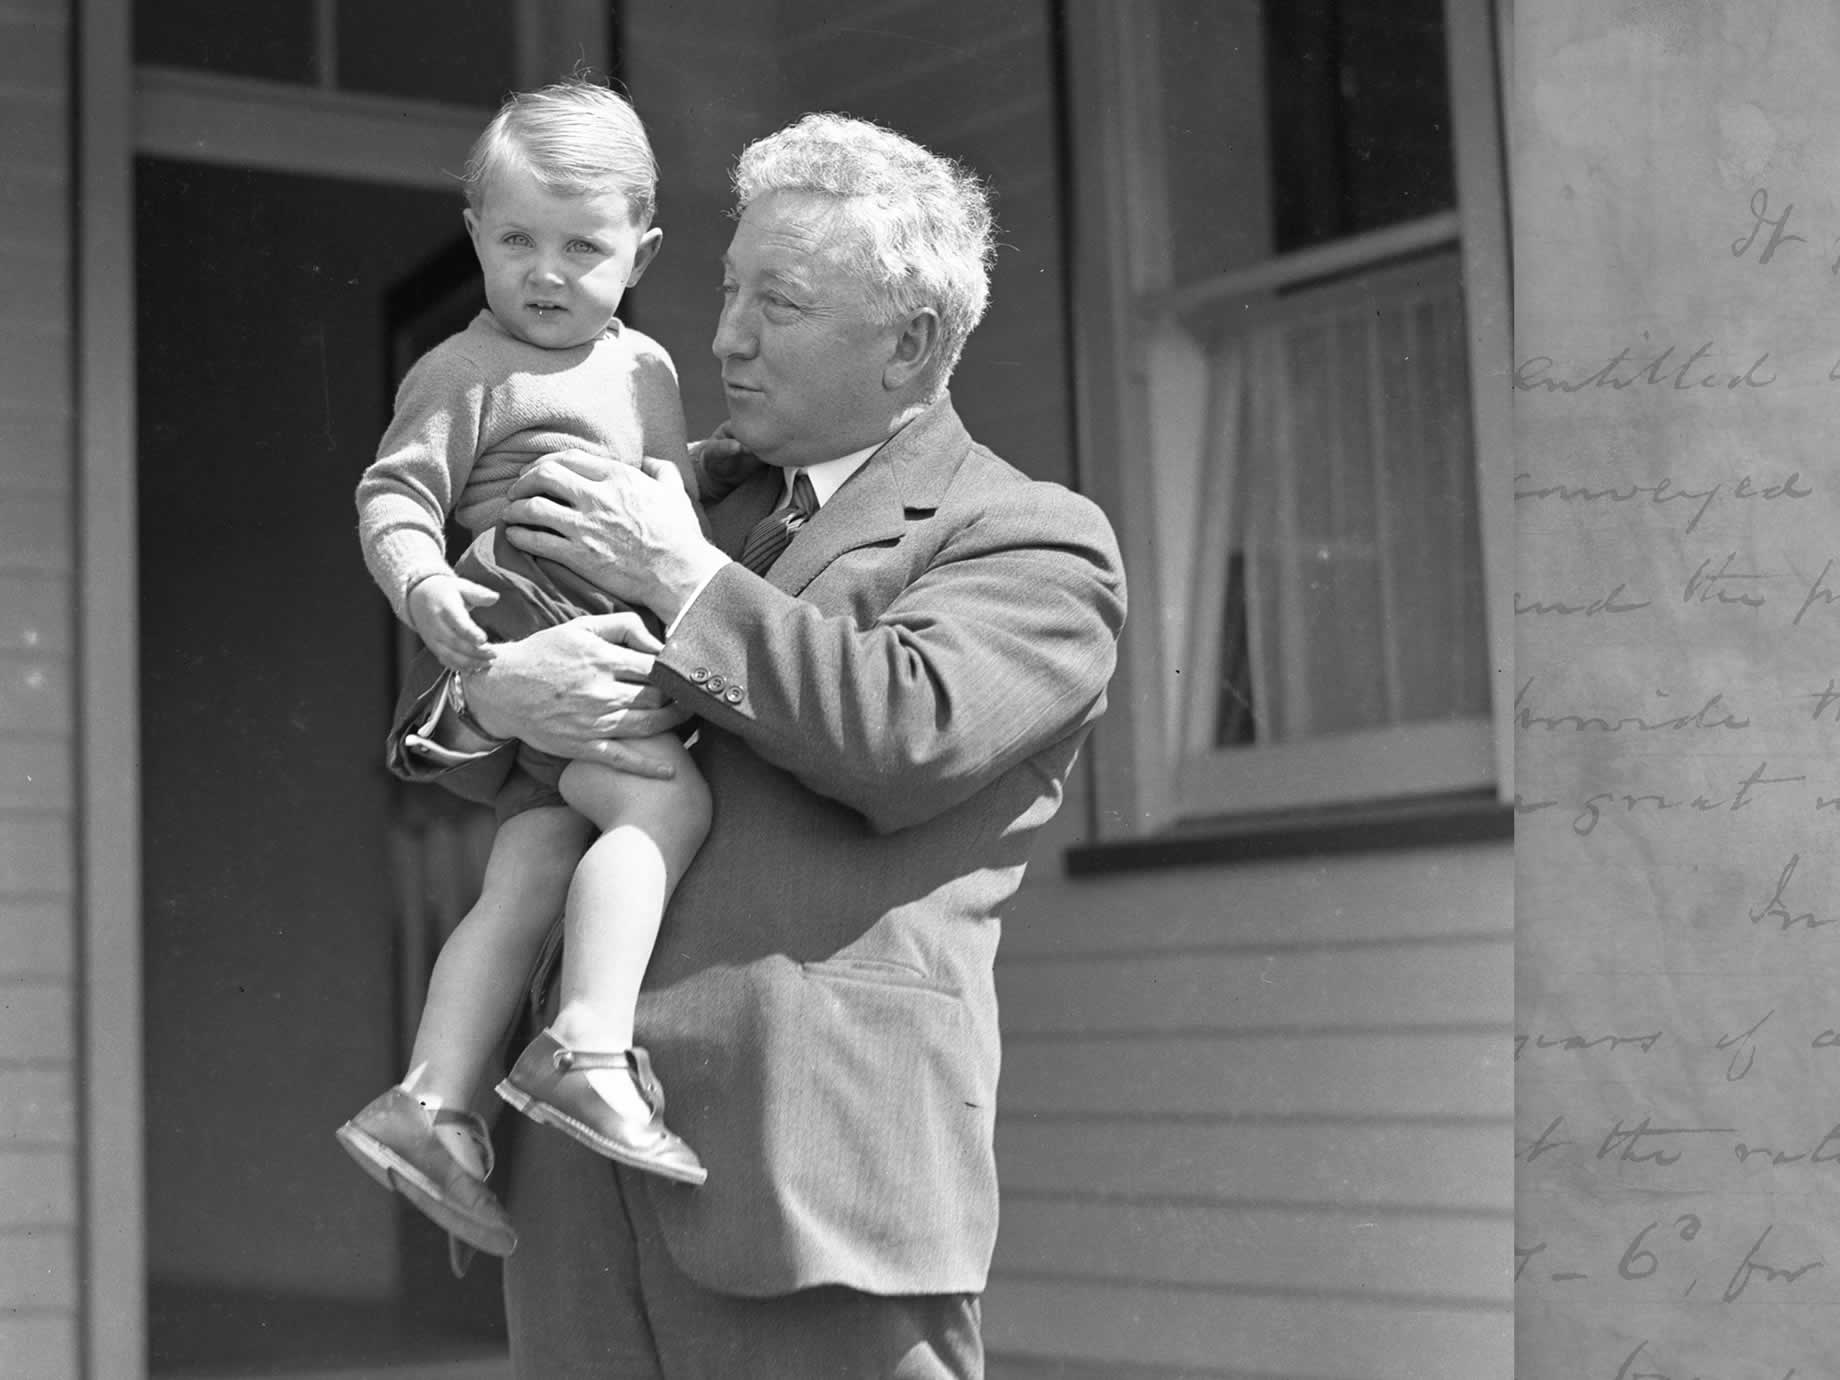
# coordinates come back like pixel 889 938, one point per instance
pixel 540 1087
pixel 393 1141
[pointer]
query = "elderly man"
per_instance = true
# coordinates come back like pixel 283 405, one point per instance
pixel 895 644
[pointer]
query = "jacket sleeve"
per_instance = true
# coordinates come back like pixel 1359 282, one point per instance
pixel 422 465
pixel 1001 645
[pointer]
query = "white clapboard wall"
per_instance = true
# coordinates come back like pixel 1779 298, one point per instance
pixel 38 1131
pixel 1255 1122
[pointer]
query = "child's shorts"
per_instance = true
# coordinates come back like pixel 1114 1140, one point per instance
pixel 533 594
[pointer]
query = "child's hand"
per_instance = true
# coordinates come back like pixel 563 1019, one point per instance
pixel 438 609
pixel 721 465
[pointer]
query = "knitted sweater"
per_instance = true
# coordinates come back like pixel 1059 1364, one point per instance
pixel 479 408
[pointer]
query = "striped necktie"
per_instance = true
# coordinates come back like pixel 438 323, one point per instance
pixel 775 531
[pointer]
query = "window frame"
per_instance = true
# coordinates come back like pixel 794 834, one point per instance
pixel 1145 784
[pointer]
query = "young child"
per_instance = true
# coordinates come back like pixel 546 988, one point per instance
pixel 559 191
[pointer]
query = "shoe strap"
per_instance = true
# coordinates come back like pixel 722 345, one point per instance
pixel 634 1061
pixel 474 1126
pixel 581 1060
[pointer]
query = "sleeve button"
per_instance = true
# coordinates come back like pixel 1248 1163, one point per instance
pixel 715 684
pixel 733 695
pixel 699 675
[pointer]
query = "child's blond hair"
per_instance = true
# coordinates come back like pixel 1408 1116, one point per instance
pixel 577 138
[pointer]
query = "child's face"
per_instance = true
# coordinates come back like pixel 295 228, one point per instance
pixel 556 266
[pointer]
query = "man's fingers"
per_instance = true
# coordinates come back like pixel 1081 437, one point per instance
pixel 622 758
pixel 552 479
pixel 540 541
pixel 540 510
pixel 661 469
pixel 623 630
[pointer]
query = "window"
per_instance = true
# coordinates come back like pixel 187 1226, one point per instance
pixel 1290 223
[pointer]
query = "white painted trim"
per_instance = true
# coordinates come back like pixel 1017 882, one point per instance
pixel 114 1299
pixel 281 127
pixel 1129 752
pixel 1475 102
pixel 1288 270
pixel 1340 769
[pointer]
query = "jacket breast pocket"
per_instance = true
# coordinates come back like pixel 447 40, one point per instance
pixel 881 972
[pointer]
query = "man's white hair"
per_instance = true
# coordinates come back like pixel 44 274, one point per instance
pixel 920 232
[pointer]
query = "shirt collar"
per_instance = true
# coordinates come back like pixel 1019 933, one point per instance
pixel 828 477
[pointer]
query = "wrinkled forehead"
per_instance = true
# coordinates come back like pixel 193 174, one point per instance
pixel 808 234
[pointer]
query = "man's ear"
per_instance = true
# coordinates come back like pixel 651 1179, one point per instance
pixel 915 345
pixel 646 252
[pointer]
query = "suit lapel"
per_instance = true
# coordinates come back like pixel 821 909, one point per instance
pixel 905 479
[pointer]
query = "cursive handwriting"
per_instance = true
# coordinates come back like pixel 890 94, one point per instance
pixel 1663 492
pixel 1613 602
pixel 1714 713
pixel 1534 373
pixel 1777 907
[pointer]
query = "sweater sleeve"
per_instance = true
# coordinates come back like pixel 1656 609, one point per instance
pixel 422 465
pixel 661 414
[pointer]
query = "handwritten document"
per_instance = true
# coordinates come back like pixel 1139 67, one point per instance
pixel 1676 203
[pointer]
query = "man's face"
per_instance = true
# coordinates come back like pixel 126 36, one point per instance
pixel 555 266
pixel 802 356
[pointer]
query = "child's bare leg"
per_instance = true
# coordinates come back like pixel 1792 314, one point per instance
pixel 479 978
pixel 650 830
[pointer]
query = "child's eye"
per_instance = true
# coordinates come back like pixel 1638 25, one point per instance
pixel 584 247
pixel 517 239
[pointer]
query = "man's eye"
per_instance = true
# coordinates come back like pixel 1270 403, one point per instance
pixel 730 289
pixel 780 300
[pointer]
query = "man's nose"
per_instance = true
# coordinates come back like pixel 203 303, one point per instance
pixel 734 333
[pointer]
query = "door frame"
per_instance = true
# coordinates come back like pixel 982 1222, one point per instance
pixel 122 111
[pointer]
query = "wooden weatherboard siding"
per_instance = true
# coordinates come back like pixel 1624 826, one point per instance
pixel 39 1198
pixel 1255 1122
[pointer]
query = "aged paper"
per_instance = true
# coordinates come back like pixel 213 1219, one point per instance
pixel 1677 399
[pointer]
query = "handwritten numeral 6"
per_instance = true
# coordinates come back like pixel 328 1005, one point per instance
pixel 1632 1265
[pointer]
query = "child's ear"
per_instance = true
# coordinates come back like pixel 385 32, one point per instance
pixel 644 254
pixel 472 227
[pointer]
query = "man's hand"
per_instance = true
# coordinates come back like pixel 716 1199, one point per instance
pixel 575 690
pixel 721 465
pixel 631 532
pixel 438 609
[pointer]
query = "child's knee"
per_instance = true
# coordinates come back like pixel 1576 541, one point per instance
pixel 610 797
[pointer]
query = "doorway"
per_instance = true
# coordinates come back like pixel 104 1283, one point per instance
pixel 272 1006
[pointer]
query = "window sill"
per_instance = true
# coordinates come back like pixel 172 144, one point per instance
pixel 1470 817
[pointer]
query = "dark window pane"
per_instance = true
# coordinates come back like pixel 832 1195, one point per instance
pixel 1359 103
pixel 1211 130
pixel 273 39
pixel 432 50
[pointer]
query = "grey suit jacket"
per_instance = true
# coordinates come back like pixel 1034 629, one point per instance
pixel 888 718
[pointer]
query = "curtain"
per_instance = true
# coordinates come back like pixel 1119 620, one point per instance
pixel 1342 588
